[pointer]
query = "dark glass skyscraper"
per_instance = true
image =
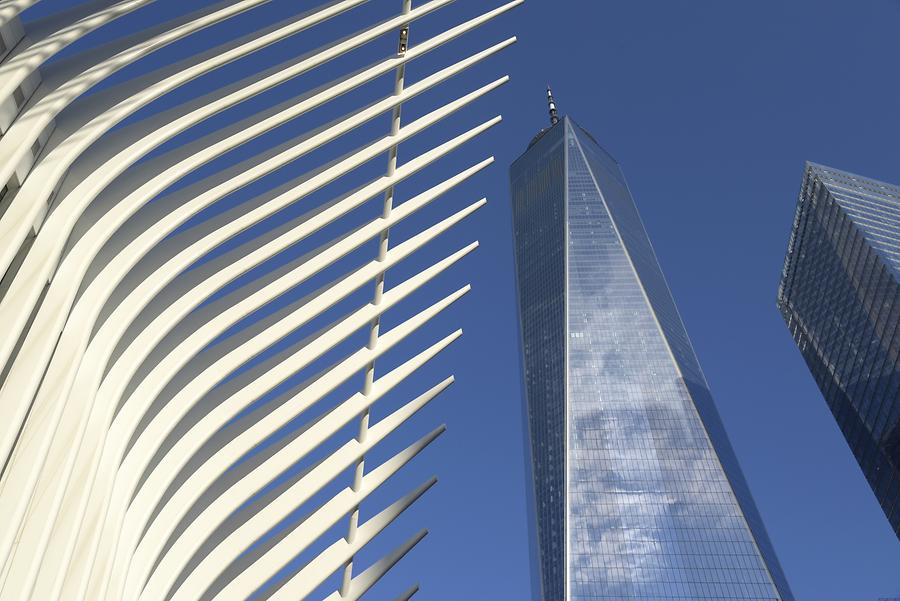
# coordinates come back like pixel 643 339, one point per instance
pixel 637 493
pixel 840 297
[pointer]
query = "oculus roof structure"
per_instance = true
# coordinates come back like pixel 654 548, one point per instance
pixel 178 371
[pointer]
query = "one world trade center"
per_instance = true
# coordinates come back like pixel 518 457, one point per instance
pixel 637 493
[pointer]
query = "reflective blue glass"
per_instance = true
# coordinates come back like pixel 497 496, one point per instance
pixel 637 494
pixel 840 298
pixel 541 281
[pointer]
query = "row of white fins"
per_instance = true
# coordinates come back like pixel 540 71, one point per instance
pixel 122 477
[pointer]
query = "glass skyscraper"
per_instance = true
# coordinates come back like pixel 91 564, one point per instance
pixel 637 493
pixel 840 297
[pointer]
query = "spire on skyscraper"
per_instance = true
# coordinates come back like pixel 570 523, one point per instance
pixel 554 116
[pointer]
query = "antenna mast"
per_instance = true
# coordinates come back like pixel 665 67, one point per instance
pixel 554 116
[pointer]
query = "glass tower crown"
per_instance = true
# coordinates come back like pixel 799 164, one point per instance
pixel 840 298
pixel 636 492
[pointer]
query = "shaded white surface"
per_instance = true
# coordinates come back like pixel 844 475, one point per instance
pixel 105 323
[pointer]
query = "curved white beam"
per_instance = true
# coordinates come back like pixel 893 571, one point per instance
pixel 326 563
pixel 164 524
pixel 62 85
pixel 310 184
pixel 143 369
pixel 128 196
pixel 48 25
pixel 409 593
pixel 120 436
pixel 72 512
pixel 361 584
pixel 27 287
pixel 167 419
pixel 26 459
pixel 64 443
pixel 77 133
pixel 65 146
pixel 50 36
pixel 10 9
pixel 262 570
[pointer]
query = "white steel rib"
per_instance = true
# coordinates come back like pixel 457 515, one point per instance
pixel 51 35
pixel 10 9
pixel 67 80
pixel 129 194
pixel 85 121
pixel 42 257
pixel 152 427
pixel 135 354
pixel 361 584
pixel 217 236
pixel 406 596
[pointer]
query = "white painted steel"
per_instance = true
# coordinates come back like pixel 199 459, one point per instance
pixel 10 9
pixel 31 462
pixel 50 36
pixel 126 365
pixel 60 88
pixel 302 583
pixel 84 122
pixel 125 396
pixel 128 197
pixel 361 584
pixel 408 594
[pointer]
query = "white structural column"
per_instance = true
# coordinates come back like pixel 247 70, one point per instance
pixel 377 297
pixel 170 362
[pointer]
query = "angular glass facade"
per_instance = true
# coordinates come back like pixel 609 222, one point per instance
pixel 840 297
pixel 637 493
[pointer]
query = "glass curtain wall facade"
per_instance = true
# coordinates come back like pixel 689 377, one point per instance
pixel 637 493
pixel 840 298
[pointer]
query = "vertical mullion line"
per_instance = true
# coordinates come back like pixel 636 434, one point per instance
pixel 567 408
pixel 383 244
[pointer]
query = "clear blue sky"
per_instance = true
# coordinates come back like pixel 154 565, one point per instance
pixel 711 108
